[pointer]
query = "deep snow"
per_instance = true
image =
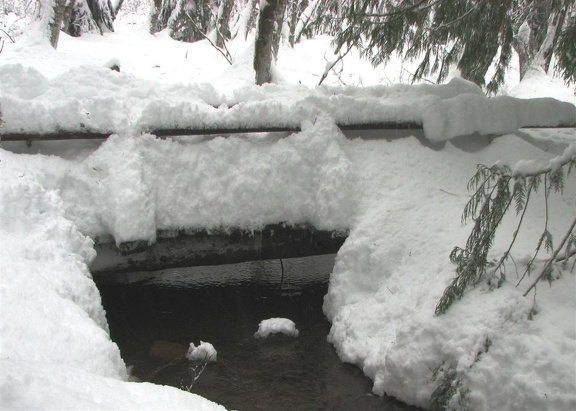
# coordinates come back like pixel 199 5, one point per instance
pixel 401 201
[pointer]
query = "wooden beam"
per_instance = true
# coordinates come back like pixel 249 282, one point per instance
pixel 190 131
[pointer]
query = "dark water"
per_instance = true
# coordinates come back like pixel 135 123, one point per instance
pixel 223 305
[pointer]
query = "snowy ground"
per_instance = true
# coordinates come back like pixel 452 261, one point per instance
pixel 401 201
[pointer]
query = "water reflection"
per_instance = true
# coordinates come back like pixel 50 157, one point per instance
pixel 224 305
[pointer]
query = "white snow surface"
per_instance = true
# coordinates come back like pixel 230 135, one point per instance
pixel 400 200
pixel 203 352
pixel 102 100
pixel 273 326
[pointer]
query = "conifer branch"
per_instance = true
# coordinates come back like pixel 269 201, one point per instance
pixel 566 255
pixel 545 233
pixel 519 207
pixel 403 11
pixel 495 188
pixel 552 259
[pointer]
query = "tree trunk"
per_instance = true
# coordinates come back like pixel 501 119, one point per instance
pixel 252 19
pixel 188 20
pixel 297 8
pixel 68 15
pixel 278 24
pixel 245 20
pixel 117 6
pixel 536 38
pixel 263 44
pixel 222 22
pixel 553 34
pixel 304 19
pixel 55 22
pixel 103 14
pixel 89 16
pixel 154 17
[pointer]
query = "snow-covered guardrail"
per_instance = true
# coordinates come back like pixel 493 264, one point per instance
pixel 191 131
pixel 69 106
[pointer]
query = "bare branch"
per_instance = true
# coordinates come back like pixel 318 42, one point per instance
pixel 552 259
pixel 8 35
pixel 331 65
pixel 224 52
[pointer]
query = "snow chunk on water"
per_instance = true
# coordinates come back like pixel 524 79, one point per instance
pixel 204 352
pixel 275 326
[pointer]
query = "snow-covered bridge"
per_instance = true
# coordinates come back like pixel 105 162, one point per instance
pixel 400 201
pixel 67 107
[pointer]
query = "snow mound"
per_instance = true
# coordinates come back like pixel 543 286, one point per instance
pixel 55 345
pixel 276 326
pixel 204 352
pixel 394 266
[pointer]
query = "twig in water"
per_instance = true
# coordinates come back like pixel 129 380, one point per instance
pixel 282 276
pixel 195 373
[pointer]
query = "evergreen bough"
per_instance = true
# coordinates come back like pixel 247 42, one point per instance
pixel 497 188
pixel 474 35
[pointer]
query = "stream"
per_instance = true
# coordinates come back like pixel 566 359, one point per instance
pixel 154 316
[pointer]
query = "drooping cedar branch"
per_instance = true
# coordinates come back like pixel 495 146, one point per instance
pixel 496 188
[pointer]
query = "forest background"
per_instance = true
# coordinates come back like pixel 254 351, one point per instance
pixel 479 38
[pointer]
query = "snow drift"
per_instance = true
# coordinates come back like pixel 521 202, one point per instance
pixel 56 351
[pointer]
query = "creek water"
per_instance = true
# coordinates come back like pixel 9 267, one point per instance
pixel 153 316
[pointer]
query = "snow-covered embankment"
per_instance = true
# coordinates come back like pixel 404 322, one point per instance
pixel 400 200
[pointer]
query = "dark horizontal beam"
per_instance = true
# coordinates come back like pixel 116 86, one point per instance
pixel 175 132
pixel 181 132
pixel 58 135
pixel 185 131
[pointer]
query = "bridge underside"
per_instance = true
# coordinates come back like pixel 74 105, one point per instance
pixel 188 249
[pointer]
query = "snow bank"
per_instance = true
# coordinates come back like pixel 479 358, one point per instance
pixel 536 83
pixel 276 326
pixel 489 351
pixel 98 99
pixel 56 350
pixel 27 385
pixel 204 352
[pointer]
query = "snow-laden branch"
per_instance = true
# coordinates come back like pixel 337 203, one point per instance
pixel 496 189
pixel 530 168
